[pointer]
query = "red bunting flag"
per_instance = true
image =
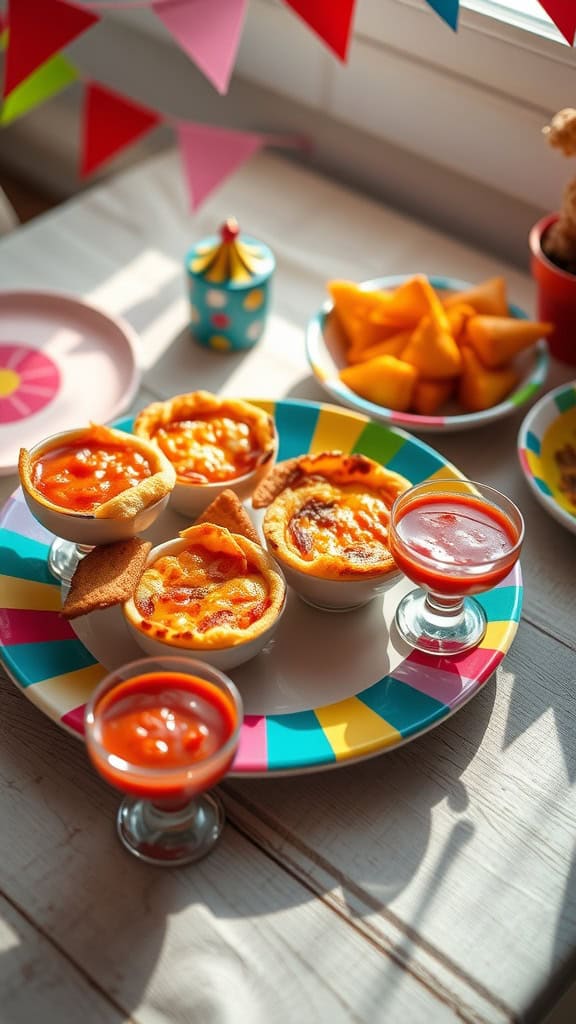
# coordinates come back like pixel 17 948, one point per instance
pixel 38 29
pixel 210 154
pixel 110 123
pixel 208 31
pixel 563 14
pixel 332 21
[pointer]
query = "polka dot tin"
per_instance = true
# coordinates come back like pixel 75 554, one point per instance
pixel 329 690
pixel 547 453
pixel 325 346
pixel 229 281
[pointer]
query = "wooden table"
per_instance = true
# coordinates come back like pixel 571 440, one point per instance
pixel 435 883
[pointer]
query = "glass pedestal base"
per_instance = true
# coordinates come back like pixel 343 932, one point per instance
pixel 169 838
pixel 64 556
pixel 437 629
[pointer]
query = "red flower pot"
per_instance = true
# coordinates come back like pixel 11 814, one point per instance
pixel 556 295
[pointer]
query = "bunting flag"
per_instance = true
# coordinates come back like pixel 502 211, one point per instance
pixel 110 123
pixel 208 31
pixel 38 29
pixel 332 21
pixel 448 10
pixel 48 80
pixel 210 154
pixel 563 14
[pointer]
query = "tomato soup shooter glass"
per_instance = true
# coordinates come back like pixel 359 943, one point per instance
pixel 454 538
pixel 164 731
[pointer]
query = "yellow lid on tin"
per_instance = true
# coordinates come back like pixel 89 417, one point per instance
pixel 230 258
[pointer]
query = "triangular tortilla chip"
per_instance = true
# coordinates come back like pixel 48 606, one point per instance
pixel 228 511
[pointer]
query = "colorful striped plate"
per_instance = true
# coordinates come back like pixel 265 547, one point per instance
pixel 547 430
pixel 330 689
pixel 325 346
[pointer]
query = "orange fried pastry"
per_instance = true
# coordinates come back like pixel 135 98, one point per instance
pixel 384 380
pixel 480 388
pixel 497 339
pixel 488 297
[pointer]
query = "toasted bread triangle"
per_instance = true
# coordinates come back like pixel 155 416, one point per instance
pixel 228 511
pixel 106 576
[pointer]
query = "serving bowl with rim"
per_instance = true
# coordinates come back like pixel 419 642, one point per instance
pixel 111 521
pixel 222 652
pixel 326 345
pixel 547 437
pixel 326 523
pixel 188 496
pixel 335 595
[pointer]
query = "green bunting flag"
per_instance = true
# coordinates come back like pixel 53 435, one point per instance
pixel 48 80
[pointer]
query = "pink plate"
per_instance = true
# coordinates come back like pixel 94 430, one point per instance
pixel 63 362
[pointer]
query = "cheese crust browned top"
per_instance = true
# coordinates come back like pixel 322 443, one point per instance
pixel 331 519
pixel 209 439
pixel 212 589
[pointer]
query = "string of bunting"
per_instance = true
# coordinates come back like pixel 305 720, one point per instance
pixel 112 121
pixel 34 32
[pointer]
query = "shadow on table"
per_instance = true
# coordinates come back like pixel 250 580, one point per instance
pixel 363 831
pixel 118 921
pixel 193 366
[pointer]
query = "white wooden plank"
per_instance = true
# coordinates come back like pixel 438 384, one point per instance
pixel 466 835
pixel 235 937
pixel 38 982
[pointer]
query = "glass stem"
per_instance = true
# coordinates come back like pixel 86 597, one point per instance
pixel 444 607
pixel 166 816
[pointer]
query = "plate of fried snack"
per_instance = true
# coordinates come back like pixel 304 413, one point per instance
pixel 427 353
pixel 281 575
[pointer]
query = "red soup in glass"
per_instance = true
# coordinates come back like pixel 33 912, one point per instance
pixel 458 544
pixel 164 735
pixel 454 538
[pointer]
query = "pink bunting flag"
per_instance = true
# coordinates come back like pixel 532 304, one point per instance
pixel 38 29
pixel 110 123
pixel 563 14
pixel 208 31
pixel 331 20
pixel 210 154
